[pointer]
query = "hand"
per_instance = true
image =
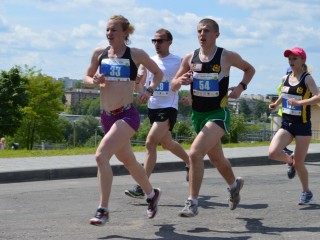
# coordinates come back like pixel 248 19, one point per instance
pixel 142 98
pixel 293 102
pixel 235 91
pixel 186 78
pixel 98 78
pixel 272 106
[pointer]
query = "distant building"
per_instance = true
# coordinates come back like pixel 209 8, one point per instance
pixel 75 96
pixel 69 83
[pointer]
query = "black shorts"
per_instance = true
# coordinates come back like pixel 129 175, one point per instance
pixel 297 129
pixel 162 114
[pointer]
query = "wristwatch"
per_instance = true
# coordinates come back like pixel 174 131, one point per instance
pixel 150 90
pixel 244 86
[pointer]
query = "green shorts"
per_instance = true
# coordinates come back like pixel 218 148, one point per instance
pixel 221 117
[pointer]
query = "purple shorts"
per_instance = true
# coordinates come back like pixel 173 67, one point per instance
pixel 128 113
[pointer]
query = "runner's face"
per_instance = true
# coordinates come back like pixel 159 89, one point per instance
pixel 162 43
pixel 206 34
pixel 114 32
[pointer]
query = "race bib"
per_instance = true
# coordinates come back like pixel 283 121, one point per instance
pixel 162 89
pixel 115 69
pixel 205 84
pixel 289 109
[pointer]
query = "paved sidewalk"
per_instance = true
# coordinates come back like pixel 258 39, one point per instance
pixel 80 166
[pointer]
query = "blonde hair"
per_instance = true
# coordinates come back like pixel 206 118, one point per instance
pixel 125 24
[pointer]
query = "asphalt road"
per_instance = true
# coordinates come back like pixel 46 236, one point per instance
pixel 60 209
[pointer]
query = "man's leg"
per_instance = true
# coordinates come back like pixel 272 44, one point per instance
pixel 208 137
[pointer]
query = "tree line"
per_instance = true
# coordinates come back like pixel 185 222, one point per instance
pixel 31 103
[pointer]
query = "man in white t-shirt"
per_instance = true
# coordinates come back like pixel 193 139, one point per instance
pixel 162 107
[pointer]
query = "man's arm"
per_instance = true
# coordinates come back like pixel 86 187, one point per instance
pixel 183 75
pixel 235 60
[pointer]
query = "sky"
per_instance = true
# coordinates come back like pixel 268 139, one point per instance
pixel 58 36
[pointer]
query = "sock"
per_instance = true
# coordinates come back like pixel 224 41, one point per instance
pixel 233 185
pixel 151 195
pixel 193 200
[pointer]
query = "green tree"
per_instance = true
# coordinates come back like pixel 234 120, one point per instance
pixel 78 132
pixel 244 108
pixel 41 120
pixel 238 128
pixel 261 107
pixel 13 97
pixel 184 110
pixel 183 131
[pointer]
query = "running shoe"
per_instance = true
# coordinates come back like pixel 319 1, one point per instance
pixel 101 217
pixel 287 151
pixel 187 175
pixel 234 197
pixel 153 203
pixel 291 172
pixel 189 210
pixel 135 192
pixel 305 197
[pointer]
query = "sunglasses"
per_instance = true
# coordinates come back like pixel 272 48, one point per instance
pixel 159 41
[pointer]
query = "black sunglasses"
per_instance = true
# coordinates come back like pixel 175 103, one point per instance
pixel 159 41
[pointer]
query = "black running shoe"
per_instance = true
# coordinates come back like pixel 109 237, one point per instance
pixel 135 192
pixel 291 170
pixel 287 151
pixel 187 175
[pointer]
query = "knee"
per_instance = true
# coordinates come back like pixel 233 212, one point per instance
pixel 195 157
pixel 272 154
pixel 151 144
pixel 101 158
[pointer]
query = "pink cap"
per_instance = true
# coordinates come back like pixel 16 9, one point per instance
pixel 296 51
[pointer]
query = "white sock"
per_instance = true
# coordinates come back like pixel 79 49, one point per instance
pixel 233 185
pixel 193 200
pixel 151 195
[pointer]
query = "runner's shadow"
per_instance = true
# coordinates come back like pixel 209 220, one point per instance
pixel 311 206
pixel 206 203
pixel 167 231
pixel 255 225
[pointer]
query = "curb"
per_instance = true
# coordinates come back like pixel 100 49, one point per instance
pixel 118 170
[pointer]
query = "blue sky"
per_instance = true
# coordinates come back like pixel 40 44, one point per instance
pixel 59 36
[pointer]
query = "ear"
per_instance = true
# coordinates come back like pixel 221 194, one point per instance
pixel 217 34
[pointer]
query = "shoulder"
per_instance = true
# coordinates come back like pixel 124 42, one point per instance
pixel 229 54
pixel 98 51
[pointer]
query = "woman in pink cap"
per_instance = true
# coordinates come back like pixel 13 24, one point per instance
pixel 298 92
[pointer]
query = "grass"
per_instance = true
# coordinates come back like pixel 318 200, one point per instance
pixel 83 151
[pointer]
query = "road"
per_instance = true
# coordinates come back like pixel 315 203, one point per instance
pixel 60 209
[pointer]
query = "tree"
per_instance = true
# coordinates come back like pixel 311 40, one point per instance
pixel 13 97
pixel 244 108
pixel 78 132
pixel 41 120
pixel 261 108
pixel 237 129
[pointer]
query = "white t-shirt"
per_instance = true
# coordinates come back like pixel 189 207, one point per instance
pixel 163 96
